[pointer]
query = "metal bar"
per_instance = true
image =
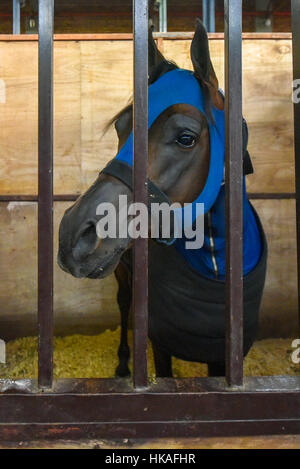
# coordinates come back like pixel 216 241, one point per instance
pixel 163 21
pixel 205 13
pixel 45 193
pixel 158 405
pixel 110 408
pixel 74 197
pixel 295 10
pixel 91 431
pixel 140 191
pixel 271 195
pixel 234 192
pixel 212 16
pixel 128 407
pixel 16 17
pixel 199 386
pixel 34 198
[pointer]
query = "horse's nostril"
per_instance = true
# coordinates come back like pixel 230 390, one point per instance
pixel 86 243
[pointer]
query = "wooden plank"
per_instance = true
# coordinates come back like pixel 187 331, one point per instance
pixel 106 87
pixel 128 36
pixel 96 78
pixel 79 304
pixel 269 112
pixel 67 121
pixel 18 118
pixel 90 306
pixel 267 107
pixel 278 317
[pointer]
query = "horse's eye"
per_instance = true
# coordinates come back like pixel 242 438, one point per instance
pixel 186 140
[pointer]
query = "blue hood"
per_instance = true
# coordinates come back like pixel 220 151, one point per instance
pixel 181 87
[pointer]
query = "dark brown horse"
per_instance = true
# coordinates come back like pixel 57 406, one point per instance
pixel 179 160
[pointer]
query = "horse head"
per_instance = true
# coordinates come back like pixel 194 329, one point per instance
pixel 180 143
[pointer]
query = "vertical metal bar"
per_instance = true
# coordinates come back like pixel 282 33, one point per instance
pixel 234 192
pixel 140 192
pixel 163 23
pixel 212 16
pixel 16 17
pixel 205 13
pixel 165 17
pixel 45 193
pixel 295 10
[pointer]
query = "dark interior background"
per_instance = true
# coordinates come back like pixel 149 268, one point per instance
pixel 104 16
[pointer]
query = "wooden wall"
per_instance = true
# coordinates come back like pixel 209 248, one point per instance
pixel 93 80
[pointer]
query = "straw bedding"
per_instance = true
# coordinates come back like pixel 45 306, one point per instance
pixel 81 356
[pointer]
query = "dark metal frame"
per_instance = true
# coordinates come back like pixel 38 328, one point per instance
pixel 140 190
pixel 234 191
pixel 296 75
pixel 116 407
pixel 45 193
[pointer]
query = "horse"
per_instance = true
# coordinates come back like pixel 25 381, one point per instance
pixel 186 164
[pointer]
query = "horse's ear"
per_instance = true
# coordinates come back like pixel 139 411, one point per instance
pixel 203 67
pixel 155 57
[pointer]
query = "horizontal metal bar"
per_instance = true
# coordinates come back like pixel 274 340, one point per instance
pixel 271 195
pixel 34 198
pixel 84 386
pixel 73 197
pixel 174 429
pixel 109 408
pixel 186 404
